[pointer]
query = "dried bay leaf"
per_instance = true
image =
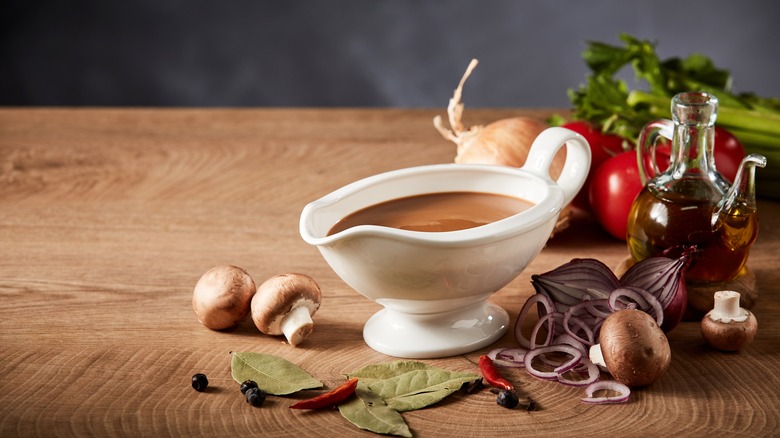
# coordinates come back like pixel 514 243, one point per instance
pixel 421 388
pixel 370 373
pixel 272 374
pixel 409 385
pixel 369 412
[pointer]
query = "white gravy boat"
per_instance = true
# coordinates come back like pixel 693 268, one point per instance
pixel 434 285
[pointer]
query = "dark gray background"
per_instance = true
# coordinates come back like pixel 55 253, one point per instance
pixel 354 53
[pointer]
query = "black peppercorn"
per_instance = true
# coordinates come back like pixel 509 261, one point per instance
pixel 200 382
pixel 507 399
pixel 255 396
pixel 246 385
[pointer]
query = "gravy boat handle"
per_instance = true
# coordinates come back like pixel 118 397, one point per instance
pixel 575 168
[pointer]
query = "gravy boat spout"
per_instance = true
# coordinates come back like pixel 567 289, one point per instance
pixel 434 285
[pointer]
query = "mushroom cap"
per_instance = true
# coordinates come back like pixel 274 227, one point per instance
pixel 278 295
pixel 222 296
pixel 729 336
pixel 635 349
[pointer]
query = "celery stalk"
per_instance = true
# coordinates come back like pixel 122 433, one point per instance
pixel 734 119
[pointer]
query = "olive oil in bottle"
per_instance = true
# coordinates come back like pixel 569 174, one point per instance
pixel 690 204
pixel 659 224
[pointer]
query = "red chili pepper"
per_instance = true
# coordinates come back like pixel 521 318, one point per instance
pixel 329 398
pixel 492 376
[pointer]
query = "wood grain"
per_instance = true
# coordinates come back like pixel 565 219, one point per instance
pixel 109 216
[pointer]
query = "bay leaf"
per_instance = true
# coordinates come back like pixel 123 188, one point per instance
pixel 369 412
pixel 420 388
pixel 370 373
pixel 410 385
pixel 272 374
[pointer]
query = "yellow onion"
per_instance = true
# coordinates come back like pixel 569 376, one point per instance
pixel 504 142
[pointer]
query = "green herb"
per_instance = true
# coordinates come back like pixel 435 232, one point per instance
pixel 368 411
pixel 272 374
pixel 608 102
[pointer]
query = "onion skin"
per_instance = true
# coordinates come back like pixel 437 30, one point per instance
pixel 635 349
pixel 505 142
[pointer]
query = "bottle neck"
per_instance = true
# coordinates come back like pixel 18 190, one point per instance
pixel 692 151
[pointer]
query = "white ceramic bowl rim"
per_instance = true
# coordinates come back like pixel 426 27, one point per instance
pixel 548 203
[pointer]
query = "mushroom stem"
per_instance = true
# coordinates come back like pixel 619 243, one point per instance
pixel 297 325
pixel 596 356
pixel 727 307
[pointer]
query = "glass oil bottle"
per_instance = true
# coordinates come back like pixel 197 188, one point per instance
pixel 690 204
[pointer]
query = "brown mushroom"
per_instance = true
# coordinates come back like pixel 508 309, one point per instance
pixel 633 348
pixel 222 296
pixel 728 326
pixel 284 304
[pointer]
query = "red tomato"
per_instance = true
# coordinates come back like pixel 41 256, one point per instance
pixel 729 152
pixel 614 186
pixel 602 147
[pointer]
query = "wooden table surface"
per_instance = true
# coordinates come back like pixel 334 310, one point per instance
pixel 109 216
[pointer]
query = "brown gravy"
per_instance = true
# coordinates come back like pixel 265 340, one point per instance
pixel 436 212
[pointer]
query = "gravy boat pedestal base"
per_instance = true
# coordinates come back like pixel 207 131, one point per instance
pixel 431 335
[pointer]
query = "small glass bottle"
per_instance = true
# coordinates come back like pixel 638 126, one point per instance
pixel 685 205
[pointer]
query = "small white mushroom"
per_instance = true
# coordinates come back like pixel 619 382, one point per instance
pixel 284 304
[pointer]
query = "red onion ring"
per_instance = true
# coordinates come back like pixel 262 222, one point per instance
pixel 536 298
pixel 644 300
pixel 565 338
pixel 610 385
pixel 567 318
pixel 513 354
pixel 615 302
pixel 548 319
pixel 575 354
pixel 494 355
pixel 508 357
pixel 593 308
pixel 592 370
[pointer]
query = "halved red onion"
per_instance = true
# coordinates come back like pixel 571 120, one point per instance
pixel 663 278
pixel 572 281
pixel 609 385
